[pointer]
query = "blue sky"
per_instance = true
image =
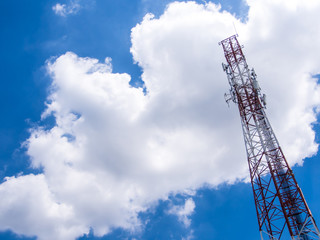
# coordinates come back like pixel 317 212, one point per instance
pixel 33 36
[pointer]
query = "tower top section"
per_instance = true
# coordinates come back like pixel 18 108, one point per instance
pixel 241 79
pixel 233 51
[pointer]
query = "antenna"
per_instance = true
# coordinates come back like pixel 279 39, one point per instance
pixel 235 28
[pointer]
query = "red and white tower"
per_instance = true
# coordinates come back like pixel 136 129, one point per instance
pixel 278 198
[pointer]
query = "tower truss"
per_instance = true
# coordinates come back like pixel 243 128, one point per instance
pixel 278 198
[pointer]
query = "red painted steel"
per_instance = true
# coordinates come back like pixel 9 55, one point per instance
pixel 279 200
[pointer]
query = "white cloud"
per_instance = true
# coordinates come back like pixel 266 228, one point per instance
pixel 184 212
pixel 115 151
pixel 66 9
pixel 44 216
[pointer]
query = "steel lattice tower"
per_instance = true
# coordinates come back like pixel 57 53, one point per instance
pixel 279 200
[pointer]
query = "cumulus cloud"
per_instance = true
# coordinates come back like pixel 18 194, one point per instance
pixel 114 151
pixel 66 9
pixel 43 216
pixel 184 212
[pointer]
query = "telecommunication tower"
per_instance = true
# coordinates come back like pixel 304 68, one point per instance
pixel 278 198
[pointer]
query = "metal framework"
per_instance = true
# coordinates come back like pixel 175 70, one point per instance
pixel 278 198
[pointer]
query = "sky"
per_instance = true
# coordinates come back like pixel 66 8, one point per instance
pixel 114 123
